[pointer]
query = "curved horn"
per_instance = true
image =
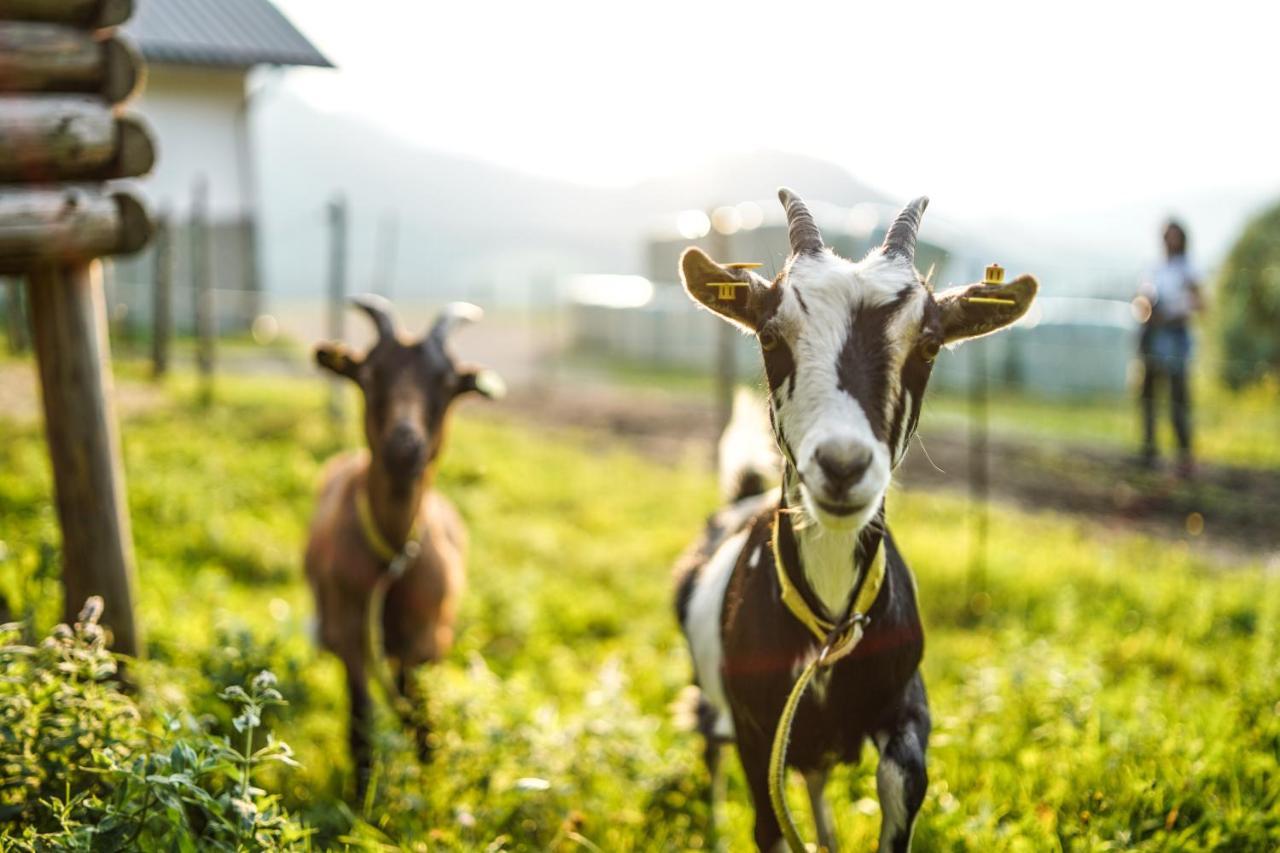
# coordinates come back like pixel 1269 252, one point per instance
pixel 379 311
pixel 453 315
pixel 803 231
pixel 900 239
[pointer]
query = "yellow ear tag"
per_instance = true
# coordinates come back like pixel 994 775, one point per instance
pixel 725 290
pixel 994 275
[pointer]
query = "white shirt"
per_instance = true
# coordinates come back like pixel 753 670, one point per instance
pixel 1168 287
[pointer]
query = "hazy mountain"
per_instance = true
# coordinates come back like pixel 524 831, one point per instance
pixel 459 223
pixel 755 175
pixel 465 227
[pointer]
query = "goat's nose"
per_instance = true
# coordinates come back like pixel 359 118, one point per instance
pixel 843 463
pixel 404 446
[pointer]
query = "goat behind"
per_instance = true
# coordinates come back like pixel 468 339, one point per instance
pixel 384 545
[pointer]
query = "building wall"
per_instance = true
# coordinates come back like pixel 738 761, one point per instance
pixel 130 281
pixel 197 116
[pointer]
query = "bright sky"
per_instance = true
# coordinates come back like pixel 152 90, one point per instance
pixel 987 107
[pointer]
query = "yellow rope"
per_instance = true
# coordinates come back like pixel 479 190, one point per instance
pixel 377 656
pixel 778 760
pixel 838 640
pixel 397 562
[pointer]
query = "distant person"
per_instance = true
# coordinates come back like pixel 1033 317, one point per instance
pixel 1167 297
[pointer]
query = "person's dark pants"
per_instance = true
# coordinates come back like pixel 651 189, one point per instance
pixel 1166 352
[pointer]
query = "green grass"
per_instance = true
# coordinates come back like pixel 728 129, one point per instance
pixel 1115 692
pixel 634 374
pixel 1231 427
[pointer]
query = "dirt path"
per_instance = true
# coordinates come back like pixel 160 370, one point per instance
pixel 1222 506
pixel 20 395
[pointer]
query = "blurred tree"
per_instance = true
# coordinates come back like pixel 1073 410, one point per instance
pixel 1249 303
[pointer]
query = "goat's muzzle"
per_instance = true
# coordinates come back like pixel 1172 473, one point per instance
pixel 404 452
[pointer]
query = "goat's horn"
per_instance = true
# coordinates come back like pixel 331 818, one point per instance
pixel 379 311
pixel 803 231
pixel 900 239
pixel 454 315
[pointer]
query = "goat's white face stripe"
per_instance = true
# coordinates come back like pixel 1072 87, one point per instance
pixel 821 298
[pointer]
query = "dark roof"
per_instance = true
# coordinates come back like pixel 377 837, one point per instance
pixel 236 33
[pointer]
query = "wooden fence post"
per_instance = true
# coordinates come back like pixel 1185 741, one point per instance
pixel 69 324
pixel 162 298
pixel 59 136
pixel 979 508
pixel 337 293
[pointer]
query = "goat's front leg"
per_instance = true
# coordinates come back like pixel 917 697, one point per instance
pixel 359 733
pixel 711 754
pixel 411 692
pixel 901 777
pixel 753 752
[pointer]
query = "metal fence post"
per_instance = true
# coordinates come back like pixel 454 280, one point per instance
pixel 337 294
pixel 162 298
pixel 202 297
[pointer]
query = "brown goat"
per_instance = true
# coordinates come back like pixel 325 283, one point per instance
pixel 384 546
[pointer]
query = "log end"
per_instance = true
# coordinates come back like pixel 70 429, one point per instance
pixel 136 225
pixel 114 12
pixel 135 152
pixel 123 69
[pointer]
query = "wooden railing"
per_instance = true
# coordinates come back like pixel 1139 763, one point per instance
pixel 63 73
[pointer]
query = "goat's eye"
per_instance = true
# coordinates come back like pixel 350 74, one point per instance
pixel 768 339
pixel 929 349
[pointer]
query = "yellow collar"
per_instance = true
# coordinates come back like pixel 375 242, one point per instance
pixel 377 542
pixel 819 627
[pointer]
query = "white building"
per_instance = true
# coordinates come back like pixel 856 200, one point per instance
pixel 201 56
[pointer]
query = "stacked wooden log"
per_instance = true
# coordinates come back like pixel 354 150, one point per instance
pixel 64 73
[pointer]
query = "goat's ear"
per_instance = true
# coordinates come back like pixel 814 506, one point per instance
pixel 482 381
pixel 707 282
pixel 980 309
pixel 338 359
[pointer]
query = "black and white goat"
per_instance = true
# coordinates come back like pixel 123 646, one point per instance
pixel 848 349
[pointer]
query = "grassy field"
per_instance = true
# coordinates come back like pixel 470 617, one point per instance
pixel 1093 692
pixel 1231 427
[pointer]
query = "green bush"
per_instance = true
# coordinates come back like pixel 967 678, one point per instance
pixel 83 768
pixel 1249 303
